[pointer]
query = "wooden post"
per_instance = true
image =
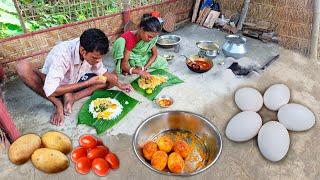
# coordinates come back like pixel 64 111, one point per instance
pixel 126 10
pixel 315 30
pixel 20 16
pixel 244 12
pixel 7 123
pixel 195 10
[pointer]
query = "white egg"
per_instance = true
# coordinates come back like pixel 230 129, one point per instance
pixel 248 99
pixel 273 141
pixel 296 117
pixel 243 126
pixel 276 96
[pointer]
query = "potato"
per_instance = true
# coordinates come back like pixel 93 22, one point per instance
pixel 56 140
pixel 149 149
pixel 21 149
pixel 182 148
pixel 159 160
pixel 175 163
pixel 165 143
pixel 49 160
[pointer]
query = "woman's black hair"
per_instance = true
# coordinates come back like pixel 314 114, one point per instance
pixel 94 40
pixel 150 24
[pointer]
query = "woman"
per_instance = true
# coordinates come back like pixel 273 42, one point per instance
pixel 135 52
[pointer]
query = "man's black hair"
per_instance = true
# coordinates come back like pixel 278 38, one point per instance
pixel 94 40
pixel 150 24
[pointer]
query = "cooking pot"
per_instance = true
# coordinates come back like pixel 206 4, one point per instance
pixel 208 48
pixel 235 46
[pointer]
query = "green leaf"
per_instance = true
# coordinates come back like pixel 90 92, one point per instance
pixel 85 117
pixel 172 79
pixel 13 27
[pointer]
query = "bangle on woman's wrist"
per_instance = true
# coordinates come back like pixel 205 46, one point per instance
pixel 130 71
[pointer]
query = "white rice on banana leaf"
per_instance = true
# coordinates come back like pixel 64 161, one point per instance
pixel 105 108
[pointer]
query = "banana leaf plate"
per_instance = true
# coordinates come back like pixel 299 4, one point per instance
pixel 172 80
pixel 85 117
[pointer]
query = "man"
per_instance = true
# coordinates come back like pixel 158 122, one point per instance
pixel 70 72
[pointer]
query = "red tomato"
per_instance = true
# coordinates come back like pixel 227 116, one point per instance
pixel 99 142
pixel 78 153
pixel 88 141
pixel 100 166
pixel 99 151
pixel 83 165
pixel 113 160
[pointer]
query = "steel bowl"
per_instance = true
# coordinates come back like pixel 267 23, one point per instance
pixel 168 41
pixel 208 48
pixel 163 122
pixel 159 99
pixel 207 45
pixel 168 57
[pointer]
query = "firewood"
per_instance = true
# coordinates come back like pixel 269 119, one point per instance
pixel 230 29
pixel 212 17
pixel 195 10
pixel 205 15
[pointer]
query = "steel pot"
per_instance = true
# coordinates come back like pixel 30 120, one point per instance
pixel 235 46
pixel 208 48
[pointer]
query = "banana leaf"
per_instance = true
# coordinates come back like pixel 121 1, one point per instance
pixel 85 117
pixel 172 80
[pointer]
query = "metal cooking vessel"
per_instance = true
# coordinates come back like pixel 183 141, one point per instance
pixel 169 41
pixel 190 62
pixel 208 48
pixel 182 120
pixel 235 46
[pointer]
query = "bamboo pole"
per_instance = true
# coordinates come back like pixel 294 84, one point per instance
pixel 244 12
pixel 315 30
pixel 20 16
pixel 126 10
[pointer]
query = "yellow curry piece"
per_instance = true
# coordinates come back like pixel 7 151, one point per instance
pixel 152 82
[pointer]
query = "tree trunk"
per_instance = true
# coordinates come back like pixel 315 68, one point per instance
pixel 244 12
pixel 20 16
pixel 315 30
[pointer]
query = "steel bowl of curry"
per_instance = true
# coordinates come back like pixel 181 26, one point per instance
pixel 199 64
pixel 164 101
pixel 177 143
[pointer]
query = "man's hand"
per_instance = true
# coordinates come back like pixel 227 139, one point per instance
pixel 125 87
pixel 96 80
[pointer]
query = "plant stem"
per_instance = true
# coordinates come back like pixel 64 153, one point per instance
pixel 20 16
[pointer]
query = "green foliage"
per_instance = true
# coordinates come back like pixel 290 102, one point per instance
pixel 41 14
pixel 9 21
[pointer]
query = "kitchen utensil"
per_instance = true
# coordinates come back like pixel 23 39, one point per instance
pixel 164 101
pixel 168 57
pixel 241 71
pixel 235 46
pixel 208 48
pixel 198 64
pixel 169 41
pixel 207 136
